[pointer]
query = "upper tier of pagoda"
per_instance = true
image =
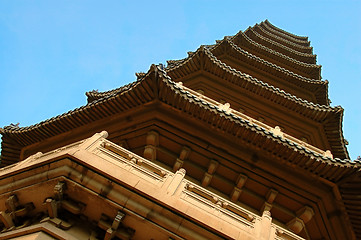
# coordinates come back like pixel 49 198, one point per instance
pixel 305 69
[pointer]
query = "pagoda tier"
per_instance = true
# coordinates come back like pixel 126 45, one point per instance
pixel 167 123
pixel 301 68
pixel 226 143
pixel 257 99
pixel 261 100
pixel 243 83
pixel 282 41
pixel 313 90
pixel 299 56
pixel 282 37
pixel 286 34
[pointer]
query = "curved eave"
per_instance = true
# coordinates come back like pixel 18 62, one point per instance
pixel 317 87
pixel 290 35
pixel 283 36
pixel 176 96
pixel 182 99
pixel 310 69
pixel 334 133
pixel 203 59
pixel 95 95
pixel 296 47
pixel 302 57
pixel 317 112
pixel 113 102
pixel 174 63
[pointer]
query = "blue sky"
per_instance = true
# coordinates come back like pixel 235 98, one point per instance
pixel 52 52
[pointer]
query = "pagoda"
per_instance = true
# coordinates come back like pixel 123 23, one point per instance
pixel 236 141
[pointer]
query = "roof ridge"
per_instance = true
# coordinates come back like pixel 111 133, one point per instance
pixel 95 94
pixel 320 96
pixel 341 137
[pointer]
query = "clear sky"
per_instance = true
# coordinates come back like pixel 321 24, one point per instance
pixel 52 52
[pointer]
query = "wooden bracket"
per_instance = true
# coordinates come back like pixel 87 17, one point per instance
pixel 14 211
pixel 115 228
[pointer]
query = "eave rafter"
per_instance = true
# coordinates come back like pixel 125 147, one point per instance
pixel 349 187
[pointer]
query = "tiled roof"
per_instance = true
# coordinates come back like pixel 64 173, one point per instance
pixel 252 125
pixel 242 39
pixel 12 130
pixel 303 57
pixel 274 69
pixel 95 95
pixel 317 112
pixel 286 34
pixel 238 77
pixel 261 29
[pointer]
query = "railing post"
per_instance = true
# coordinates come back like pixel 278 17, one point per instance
pixel 263 226
pixel 176 181
pixel 89 143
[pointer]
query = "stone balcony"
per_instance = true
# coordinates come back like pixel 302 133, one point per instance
pixel 104 179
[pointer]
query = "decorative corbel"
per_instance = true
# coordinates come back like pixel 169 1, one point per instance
pixel 182 157
pixel 304 215
pixel 237 190
pixel 58 201
pixel 270 197
pixel 115 228
pixel 296 225
pixel 152 142
pixel 213 164
pixel 14 210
